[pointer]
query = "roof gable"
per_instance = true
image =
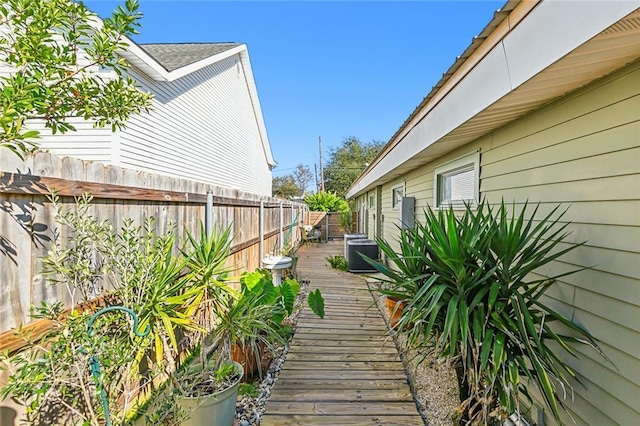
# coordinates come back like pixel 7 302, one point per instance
pixel 177 55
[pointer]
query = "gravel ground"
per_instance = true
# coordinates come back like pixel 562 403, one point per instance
pixel 433 382
pixel 249 410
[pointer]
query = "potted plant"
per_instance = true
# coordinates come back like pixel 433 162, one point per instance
pixel 208 393
pixel 205 390
pixel 404 274
pixel 145 278
pixel 255 321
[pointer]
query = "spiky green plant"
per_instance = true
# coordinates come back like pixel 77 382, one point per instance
pixel 206 260
pixel 473 286
pixel 337 262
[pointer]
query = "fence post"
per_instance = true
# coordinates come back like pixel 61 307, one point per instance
pixel 294 226
pixel 326 221
pixel 208 214
pixel 261 232
pixel 281 225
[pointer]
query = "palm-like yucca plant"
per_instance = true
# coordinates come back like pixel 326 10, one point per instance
pixel 252 320
pixel 206 259
pixel 408 272
pixel 167 300
pixel 473 287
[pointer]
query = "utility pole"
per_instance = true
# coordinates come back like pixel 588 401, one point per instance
pixel 315 173
pixel 321 168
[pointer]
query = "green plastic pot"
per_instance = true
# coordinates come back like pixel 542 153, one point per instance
pixel 215 409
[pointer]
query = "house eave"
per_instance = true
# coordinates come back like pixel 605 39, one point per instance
pixel 144 62
pixel 559 47
pixel 140 59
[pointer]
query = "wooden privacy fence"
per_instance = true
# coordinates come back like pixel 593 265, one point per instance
pixel 27 218
pixel 328 223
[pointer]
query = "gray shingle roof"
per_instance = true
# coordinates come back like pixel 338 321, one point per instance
pixel 177 55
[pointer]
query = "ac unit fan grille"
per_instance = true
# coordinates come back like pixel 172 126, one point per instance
pixel 355 262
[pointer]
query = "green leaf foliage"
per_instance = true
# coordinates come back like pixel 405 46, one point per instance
pixel 326 202
pixel 316 302
pixel 337 262
pixel 347 161
pixel 248 389
pixel 56 50
pixel 285 186
pixel 472 283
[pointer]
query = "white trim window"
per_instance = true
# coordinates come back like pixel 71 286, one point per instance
pixel 397 192
pixel 458 182
pixel 372 201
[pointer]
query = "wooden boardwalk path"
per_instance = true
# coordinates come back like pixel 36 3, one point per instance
pixel 340 370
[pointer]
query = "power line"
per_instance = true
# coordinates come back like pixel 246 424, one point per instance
pixel 283 170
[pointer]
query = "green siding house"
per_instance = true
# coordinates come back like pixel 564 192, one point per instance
pixel 543 106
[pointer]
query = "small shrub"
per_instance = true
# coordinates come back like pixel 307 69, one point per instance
pixel 346 220
pixel 326 202
pixel 337 262
pixel 248 389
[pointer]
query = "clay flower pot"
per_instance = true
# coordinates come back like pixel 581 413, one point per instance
pixel 394 308
pixel 246 356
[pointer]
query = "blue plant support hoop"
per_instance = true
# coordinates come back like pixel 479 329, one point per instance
pixel 95 362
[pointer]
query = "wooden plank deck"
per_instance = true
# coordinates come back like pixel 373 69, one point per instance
pixel 340 370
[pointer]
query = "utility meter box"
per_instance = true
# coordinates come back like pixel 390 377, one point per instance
pixel 407 212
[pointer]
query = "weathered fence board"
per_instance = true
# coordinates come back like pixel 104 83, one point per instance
pixel 27 218
pixel 328 223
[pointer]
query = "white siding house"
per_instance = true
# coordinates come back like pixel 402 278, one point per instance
pixel 544 107
pixel 205 124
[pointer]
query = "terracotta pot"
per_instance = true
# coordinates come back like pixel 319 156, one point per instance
pixel 394 308
pixel 246 356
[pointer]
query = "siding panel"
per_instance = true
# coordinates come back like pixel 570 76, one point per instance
pixel 583 152
pixel 202 127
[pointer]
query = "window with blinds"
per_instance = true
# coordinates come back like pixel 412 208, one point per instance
pixel 457 182
pixel 396 195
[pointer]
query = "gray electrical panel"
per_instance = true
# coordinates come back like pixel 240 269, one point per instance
pixel 407 212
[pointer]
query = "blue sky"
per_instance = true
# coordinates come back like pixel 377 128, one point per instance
pixel 327 68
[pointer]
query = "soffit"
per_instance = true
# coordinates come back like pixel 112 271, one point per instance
pixel 613 48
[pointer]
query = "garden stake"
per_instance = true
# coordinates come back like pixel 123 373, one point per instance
pixel 95 363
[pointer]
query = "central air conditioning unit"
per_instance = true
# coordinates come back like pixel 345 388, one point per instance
pixel 355 262
pixel 349 237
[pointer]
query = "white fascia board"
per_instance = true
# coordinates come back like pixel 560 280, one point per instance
pixel 488 82
pixel 134 54
pixel 550 31
pixel 144 62
pixel 257 110
pixel 554 29
pixel 181 72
